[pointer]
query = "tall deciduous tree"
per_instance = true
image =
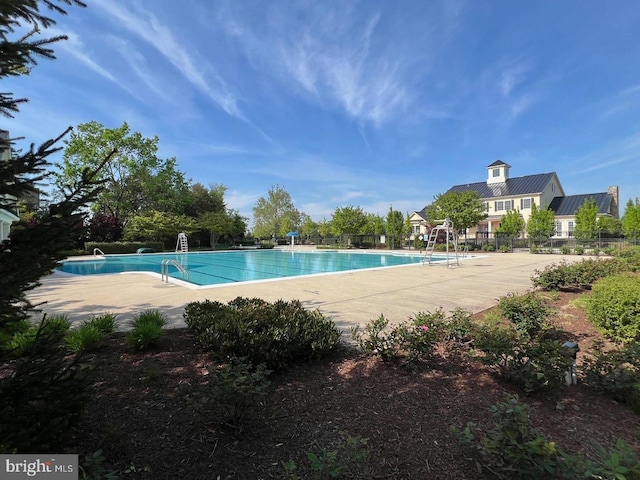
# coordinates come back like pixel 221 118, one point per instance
pixel 631 219
pixel 136 179
pixel 348 221
pixel 541 225
pixel 158 226
pixel 587 220
pixel 394 227
pixel 309 228
pixel 464 209
pixel 269 213
pixel 511 225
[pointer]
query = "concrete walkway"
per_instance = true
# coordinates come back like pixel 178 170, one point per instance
pixel 348 298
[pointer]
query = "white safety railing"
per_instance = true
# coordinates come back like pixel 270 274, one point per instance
pixel 164 269
pixel 96 250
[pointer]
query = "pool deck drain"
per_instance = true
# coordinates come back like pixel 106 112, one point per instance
pixel 349 298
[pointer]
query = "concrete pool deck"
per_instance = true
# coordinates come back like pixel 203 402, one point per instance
pixel 349 298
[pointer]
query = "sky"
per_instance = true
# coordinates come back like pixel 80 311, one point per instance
pixel 372 104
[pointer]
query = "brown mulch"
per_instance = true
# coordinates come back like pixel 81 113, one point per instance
pixel 143 418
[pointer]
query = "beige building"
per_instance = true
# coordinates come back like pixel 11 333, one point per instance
pixel 501 193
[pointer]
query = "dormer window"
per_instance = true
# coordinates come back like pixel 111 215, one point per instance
pixel 496 172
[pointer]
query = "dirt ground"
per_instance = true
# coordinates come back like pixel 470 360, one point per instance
pixel 143 419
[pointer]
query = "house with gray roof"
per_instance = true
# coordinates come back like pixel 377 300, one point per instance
pixel 501 193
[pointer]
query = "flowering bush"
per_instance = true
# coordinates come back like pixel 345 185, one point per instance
pixel 408 342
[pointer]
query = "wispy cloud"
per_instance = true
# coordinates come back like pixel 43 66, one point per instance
pixel 146 26
pixel 623 102
pixel 76 48
pixel 339 58
pixel 623 151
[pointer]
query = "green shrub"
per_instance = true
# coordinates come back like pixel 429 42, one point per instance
pixel 615 372
pixel 84 338
pixel 256 331
pixel 529 312
pixel 122 247
pixel 349 459
pixel 43 393
pixel 505 248
pixel 564 250
pixel 90 335
pixel 533 364
pixel 235 387
pixel 459 327
pixel 487 247
pixel 513 449
pixel 147 328
pixel 408 342
pixel 25 332
pixel 614 307
pixel 581 274
pixel 578 250
pixel 106 323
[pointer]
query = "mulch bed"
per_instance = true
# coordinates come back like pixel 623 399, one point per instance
pixel 143 417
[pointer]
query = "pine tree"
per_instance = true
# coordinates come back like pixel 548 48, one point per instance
pixel 42 391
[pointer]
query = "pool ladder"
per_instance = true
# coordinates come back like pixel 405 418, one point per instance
pixel 164 269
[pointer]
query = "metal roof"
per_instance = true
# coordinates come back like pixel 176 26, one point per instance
pixel 529 184
pixel 569 205
pixel 498 163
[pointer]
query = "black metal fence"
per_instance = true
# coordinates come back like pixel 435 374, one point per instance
pixel 596 240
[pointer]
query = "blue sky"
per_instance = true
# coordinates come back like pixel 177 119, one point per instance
pixel 346 103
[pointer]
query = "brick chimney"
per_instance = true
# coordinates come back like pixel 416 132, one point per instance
pixel 615 209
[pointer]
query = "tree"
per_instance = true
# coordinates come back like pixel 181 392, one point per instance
pixel 612 227
pixel 348 221
pixel 631 219
pixel 136 180
pixel 324 228
pixel 201 200
pixel 218 224
pixel 309 228
pixel 42 391
pixel 104 228
pixel 541 224
pixel 464 209
pixel 19 55
pixel 394 227
pixel 269 213
pixel 374 225
pixel 158 226
pixel 511 225
pixel 586 226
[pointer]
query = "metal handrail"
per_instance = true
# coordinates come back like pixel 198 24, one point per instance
pixel 97 250
pixel 164 269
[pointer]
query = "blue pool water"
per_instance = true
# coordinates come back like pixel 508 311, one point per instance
pixel 214 268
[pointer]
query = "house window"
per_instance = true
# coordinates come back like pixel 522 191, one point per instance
pixel 486 206
pixel 503 205
pixel 415 229
pixel 570 229
pixel 496 172
pixel 553 187
pixel 525 203
pixel 558 229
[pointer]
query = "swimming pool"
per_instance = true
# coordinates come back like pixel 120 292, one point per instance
pixel 216 268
